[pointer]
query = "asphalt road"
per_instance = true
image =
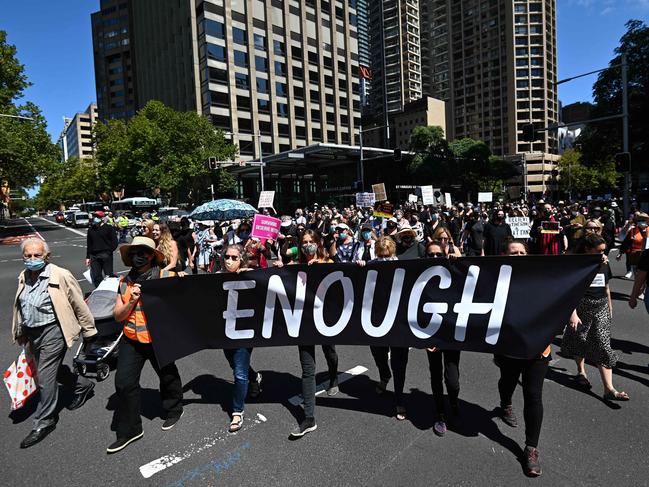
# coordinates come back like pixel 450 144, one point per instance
pixel 584 442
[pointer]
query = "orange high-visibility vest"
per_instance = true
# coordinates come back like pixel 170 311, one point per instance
pixel 135 324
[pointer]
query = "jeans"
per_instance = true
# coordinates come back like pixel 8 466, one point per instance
pixel 48 347
pixel 307 361
pixel 446 363
pixel 533 372
pixel 131 360
pixel 239 360
pixel 101 264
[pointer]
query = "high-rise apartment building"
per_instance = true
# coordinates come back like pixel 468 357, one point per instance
pixel 395 45
pixel 275 74
pixel 76 138
pixel 114 66
pixel 495 64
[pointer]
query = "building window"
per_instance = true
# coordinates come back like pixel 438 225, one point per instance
pixel 260 41
pixel 245 125
pixel 280 68
pixel 217 75
pixel 263 106
pixel 216 53
pixel 214 29
pixel 262 85
pixel 241 81
pixel 280 89
pixel 241 59
pixel 239 36
pixel 261 63
pixel 282 109
pixel 279 48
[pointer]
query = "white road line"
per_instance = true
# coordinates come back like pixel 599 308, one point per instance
pixel 320 388
pixel 166 461
pixel 35 231
pixel 73 230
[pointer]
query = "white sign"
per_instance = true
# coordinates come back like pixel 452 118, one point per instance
pixel 599 281
pixel 447 199
pixel 520 226
pixel 365 200
pixel 412 198
pixel 379 192
pixel 266 199
pixel 427 196
pixel 485 197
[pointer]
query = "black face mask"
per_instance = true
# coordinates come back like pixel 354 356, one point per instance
pixel 139 261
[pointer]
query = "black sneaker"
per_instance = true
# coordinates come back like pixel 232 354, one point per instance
pixel 122 443
pixel 531 462
pixel 81 398
pixel 306 426
pixel 254 387
pixel 508 416
pixel 382 386
pixel 171 421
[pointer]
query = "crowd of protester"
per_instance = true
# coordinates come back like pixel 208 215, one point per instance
pixel 329 234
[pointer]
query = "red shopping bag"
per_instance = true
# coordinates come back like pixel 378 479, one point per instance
pixel 20 379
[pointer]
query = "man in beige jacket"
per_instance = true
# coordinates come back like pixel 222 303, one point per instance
pixel 49 314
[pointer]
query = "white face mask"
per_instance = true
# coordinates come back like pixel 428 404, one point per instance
pixel 384 259
pixel 231 265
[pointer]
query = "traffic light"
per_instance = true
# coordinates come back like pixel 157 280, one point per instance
pixel 623 162
pixel 397 155
pixel 212 165
pixel 529 133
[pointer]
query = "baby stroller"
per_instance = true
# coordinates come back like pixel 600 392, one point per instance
pixel 94 360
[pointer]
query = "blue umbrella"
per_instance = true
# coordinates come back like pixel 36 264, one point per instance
pixel 223 210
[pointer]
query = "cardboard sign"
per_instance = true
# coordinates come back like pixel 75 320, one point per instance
pixel 550 227
pixel 448 201
pixel 365 200
pixel 485 197
pixel 384 210
pixel 520 226
pixel 427 196
pixel 266 199
pixel 412 198
pixel 379 192
pixel 265 227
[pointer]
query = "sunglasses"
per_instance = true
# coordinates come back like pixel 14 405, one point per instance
pixel 436 255
pixel 139 253
pixel 231 257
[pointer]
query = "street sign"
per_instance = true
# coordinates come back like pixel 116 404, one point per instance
pixel 266 199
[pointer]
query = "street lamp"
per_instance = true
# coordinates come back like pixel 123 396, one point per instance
pixel 16 116
pixel 261 155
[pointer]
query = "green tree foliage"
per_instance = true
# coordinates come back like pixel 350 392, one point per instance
pixel 577 177
pixel 226 184
pixel 602 140
pixel 25 146
pixel 69 182
pixel 159 148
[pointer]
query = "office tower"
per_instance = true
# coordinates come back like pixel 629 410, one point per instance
pixel 114 67
pixel 495 64
pixel 395 57
pixel 276 75
pixel 76 138
pixel 364 52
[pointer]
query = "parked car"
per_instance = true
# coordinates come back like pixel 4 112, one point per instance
pixel 59 217
pixel 80 219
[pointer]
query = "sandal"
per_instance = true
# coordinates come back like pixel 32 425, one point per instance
pixel 236 425
pixel 614 395
pixel 401 413
pixel 583 382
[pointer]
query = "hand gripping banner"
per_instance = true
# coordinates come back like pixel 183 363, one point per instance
pixel 506 305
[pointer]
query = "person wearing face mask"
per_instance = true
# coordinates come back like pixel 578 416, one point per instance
pixel 634 242
pixel 391 229
pixel 345 246
pixel 407 246
pixel 574 229
pixel 135 348
pixel 101 242
pixel 473 234
pixel 495 232
pixel 49 314
pixel 431 225
pixel 365 251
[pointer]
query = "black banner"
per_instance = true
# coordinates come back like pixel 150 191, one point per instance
pixel 507 305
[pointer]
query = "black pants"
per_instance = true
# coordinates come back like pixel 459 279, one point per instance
pixel 533 372
pixel 101 264
pixel 307 361
pixel 132 357
pixel 444 363
pixel 399 364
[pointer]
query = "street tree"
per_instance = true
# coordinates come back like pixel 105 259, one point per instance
pixel 26 149
pixel 580 178
pixel 67 182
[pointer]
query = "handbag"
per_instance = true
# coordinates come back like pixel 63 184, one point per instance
pixel 20 379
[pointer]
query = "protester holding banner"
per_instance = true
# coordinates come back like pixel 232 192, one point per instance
pixel 135 348
pixel 407 246
pixel 235 259
pixel 166 244
pixel 366 250
pixel 495 233
pixel 443 363
pixel 533 373
pixel 442 236
pixel 588 336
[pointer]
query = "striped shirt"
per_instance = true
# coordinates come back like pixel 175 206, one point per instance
pixel 35 303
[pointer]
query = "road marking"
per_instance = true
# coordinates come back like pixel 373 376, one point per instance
pixel 73 230
pixel 166 461
pixel 320 388
pixel 35 231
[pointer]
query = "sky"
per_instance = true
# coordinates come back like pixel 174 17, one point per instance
pixel 54 42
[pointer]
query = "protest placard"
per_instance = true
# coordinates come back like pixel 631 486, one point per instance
pixel 427 196
pixel 265 227
pixel 384 210
pixel 365 199
pixel 379 192
pixel 485 197
pixel 447 199
pixel 412 198
pixel 520 226
pixel 266 199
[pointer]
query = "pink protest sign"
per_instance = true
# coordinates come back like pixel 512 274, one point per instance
pixel 265 227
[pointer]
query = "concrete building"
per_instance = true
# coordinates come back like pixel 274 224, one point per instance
pixel 495 65
pixel 76 138
pixel 426 111
pixel 113 56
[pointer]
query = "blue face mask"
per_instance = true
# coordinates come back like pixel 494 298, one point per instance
pixel 366 235
pixel 34 265
pixel 433 217
pixel 342 236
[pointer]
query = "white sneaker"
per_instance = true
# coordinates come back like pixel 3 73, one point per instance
pixel 641 297
pixel 628 275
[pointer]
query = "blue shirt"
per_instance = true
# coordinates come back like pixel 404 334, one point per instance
pixel 35 303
